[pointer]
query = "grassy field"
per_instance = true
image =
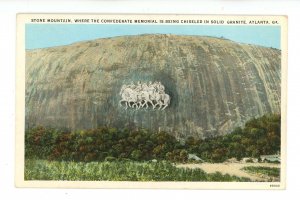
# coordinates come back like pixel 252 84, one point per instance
pixel 266 171
pixel 236 169
pixel 118 171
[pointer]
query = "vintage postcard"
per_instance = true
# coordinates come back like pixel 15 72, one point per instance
pixel 151 101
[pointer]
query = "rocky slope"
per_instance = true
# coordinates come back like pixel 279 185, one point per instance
pixel 214 84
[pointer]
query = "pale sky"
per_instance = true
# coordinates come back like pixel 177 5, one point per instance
pixel 49 35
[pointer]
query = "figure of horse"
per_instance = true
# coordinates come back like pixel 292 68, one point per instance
pixel 144 99
pixel 161 100
pixel 142 95
pixel 129 96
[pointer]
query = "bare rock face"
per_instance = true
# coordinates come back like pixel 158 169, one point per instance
pixel 214 84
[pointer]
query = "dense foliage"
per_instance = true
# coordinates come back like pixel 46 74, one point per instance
pixel 118 171
pixel 268 171
pixel 102 144
pixel 259 136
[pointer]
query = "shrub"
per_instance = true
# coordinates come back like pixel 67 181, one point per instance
pixel 260 136
pixel 118 171
pixel 110 159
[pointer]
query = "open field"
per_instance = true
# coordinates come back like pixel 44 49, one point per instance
pixel 237 169
pixel 120 171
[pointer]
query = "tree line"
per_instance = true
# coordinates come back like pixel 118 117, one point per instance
pixel 259 136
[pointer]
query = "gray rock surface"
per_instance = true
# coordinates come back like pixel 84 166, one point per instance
pixel 214 84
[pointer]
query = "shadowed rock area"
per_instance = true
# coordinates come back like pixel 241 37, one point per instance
pixel 214 84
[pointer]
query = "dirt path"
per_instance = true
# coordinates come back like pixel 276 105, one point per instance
pixel 231 169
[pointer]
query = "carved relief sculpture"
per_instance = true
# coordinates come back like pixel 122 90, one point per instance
pixel 142 95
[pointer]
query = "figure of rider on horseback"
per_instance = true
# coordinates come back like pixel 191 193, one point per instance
pixel 142 94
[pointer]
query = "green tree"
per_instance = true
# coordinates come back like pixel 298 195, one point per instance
pixel 183 156
pixel 136 154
